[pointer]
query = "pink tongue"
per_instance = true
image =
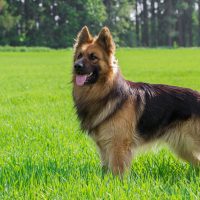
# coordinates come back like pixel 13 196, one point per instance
pixel 80 79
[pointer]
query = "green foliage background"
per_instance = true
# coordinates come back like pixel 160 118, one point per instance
pixel 55 23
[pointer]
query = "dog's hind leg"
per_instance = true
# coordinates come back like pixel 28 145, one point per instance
pixel 187 150
pixel 189 156
pixel 184 139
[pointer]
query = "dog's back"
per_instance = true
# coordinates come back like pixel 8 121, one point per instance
pixel 171 114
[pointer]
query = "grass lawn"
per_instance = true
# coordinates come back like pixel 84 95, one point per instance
pixel 43 153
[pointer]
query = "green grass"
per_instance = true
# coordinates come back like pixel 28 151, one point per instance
pixel 43 153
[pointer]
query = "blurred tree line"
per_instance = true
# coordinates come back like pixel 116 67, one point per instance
pixel 55 23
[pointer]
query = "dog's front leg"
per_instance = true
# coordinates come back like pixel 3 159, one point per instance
pixel 104 160
pixel 120 157
pixel 115 156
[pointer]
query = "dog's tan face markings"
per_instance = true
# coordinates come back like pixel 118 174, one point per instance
pixel 96 51
pixel 90 53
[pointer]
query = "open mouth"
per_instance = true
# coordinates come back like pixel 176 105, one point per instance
pixel 82 79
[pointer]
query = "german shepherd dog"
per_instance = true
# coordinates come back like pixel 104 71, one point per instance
pixel 121 115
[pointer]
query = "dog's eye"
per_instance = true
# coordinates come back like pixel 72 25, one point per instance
pixel 92 57
pixel 79 55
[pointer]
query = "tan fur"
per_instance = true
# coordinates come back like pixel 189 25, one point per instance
pixel 115 132
pixel 184 139
pixel 117 141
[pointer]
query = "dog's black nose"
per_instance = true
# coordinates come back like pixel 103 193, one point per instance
pixel 78 66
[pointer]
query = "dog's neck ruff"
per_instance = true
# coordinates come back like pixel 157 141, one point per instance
pixel 92 114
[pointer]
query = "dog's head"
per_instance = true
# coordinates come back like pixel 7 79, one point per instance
pixel 94 57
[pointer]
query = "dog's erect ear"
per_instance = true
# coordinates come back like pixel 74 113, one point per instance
pixel 106 41
pixel 83 37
